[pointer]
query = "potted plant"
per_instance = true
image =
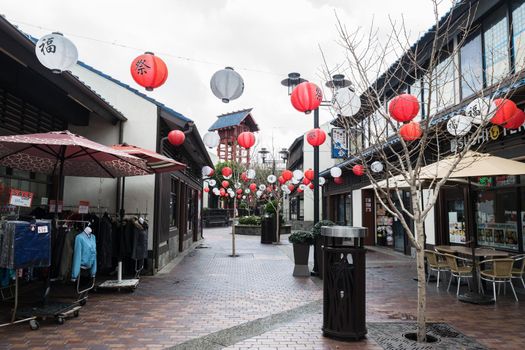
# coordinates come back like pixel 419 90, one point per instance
pixel 318 253
pixel 301 241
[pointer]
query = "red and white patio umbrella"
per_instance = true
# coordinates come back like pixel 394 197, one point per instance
pixel 155 162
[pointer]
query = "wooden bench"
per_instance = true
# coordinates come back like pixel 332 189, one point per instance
pixel 216 217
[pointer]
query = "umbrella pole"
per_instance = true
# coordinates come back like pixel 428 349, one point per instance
pixel 122 212
pixel 60 182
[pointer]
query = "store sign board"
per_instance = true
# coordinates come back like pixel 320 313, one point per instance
pixel 20 198
pixel 52 205
pixel 339 143
pixel 83 207
pixel 493 133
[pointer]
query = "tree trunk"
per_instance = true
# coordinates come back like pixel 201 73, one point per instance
pixel 421 285
pixel 278 233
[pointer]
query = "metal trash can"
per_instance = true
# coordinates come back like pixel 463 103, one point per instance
pixel 267 229
pixel 344 288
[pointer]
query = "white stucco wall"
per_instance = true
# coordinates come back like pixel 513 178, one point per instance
pixel 140 129
pixel 325 161
pixel 357 208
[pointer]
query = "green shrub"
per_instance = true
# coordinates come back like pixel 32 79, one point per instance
pixel 270 207
pixel 250 220
pixel 301 237
pixel 316 230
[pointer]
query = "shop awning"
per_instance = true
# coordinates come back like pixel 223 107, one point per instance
pixel 157 163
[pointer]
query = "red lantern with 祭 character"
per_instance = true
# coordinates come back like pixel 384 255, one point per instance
pixel 176 137
pixel 226 171
pixel 358 169
pixel 287 175
pixel 246 139
pixel 225 184
pixel 516 121
pixel 253 187
pixel 281 180
pixel 316 137
pixel 411 131
pixel 149 71
pixel 404 108
pixel 309 174
pixel 306 97
pixel 505 110
pixel 338 180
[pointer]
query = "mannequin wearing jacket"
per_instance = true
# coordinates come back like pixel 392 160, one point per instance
pixel 85 253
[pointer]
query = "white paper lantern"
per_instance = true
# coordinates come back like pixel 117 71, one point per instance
pixel 377 166
pixel 250 174
pixel 284 187
pixel 295 181
pixel 303 187
pixel 336 172
pixel 298 174
pixel 459 125
pixel 262 187
pixel 211 139
pixel 227 84
pixel 212 182
pixel 216 191
pixel 232 194
pixel 247 191
pixel 258 193
pixel 227 177
pixel 346 102
pixel 243 197
pixel 238 185
pixel 287 190
pixel 480 110
pixel 322 181
pixel 56 52
pixel 206 170
pixel 271 179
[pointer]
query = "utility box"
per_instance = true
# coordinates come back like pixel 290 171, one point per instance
pixel 344 287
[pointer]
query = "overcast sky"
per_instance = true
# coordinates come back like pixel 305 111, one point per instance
pixel 263 40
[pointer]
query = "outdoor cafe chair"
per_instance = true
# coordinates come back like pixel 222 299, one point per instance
pixel 435 262
pixel 500 271
pixel 518 269
pixel 459 268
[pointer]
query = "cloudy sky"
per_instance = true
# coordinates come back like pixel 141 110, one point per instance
pixel 262 40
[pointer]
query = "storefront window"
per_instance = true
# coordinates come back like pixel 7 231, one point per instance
pixel 456 221
pixel 348 207
pixel 471 67
pixel 38 185
pixel 173 203
pixel 384 229
pixel 518 27
pixel 496 218
pixel 496 39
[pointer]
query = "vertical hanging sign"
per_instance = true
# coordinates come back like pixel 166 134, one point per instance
pixel 339 143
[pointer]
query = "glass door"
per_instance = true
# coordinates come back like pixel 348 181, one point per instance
pixel 456 220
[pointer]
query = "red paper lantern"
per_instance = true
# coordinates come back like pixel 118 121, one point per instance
pixel 222 191
pixel 316 137
pixel 246 139
pixel 299 190
pixel 306 181
pixel 253 187
pixel 206 189
pixel 309 174
pixel 338 180
pixel 225 184
pixel 212 171
pixel 358 169
pixel 291 187
pixel 404 108
pixel 239 191
pixel 244 177
pixel 287 175
pixel 149 71
pixel 239 196
pixel 411 131
pixel 306 97
pixel 311 186
pixel 281 180
pixel 176 138
pixel 516 121
pixel 226 171
pixel 505 110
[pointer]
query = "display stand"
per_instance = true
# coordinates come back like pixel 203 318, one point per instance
pixel 33 324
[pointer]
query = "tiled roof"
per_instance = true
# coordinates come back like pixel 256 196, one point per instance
pixel 230 119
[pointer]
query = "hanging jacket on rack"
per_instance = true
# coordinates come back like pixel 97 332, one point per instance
pixel 64 270
pixel 104 242
pixel 85 253
pixel 140 240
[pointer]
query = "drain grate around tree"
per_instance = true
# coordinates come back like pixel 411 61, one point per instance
pixel 391 335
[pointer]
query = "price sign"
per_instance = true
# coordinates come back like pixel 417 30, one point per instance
pixel 83 207
pixel 43 229
pixel 52 204
pixel 20 198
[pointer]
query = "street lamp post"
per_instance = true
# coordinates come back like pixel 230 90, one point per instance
pixel 338 81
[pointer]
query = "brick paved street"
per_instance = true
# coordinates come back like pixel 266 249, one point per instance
pixel 209 295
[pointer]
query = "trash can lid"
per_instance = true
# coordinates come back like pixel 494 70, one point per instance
pixel 344 231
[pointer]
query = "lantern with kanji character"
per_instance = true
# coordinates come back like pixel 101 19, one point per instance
pixel 149 71
pixel 404 107
pixel 505 110
pixel 176 137
pixel 316 137
pixel 56 52
pixel 411 131
pixel 306 97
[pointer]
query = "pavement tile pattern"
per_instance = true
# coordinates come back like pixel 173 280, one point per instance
pixel 208 292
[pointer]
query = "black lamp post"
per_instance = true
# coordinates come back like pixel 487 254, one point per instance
pixel 338 81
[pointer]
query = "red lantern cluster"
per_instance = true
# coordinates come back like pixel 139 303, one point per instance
pixel 309 174
pixel 281 180
pixel 253 187
pixel 176 137
pixel 516 121
pixel 505 110
pixel 411 131
pixel 246 139
pixel 287 175
pixel 339 180
pixel 239 191
pixel 306 97
pixel 149 71
pixel 244 177
pixel 404 107
pixel 358 170
pixel 316 137
pixel 226 171
pixel 225 184
pixel 311 186
pixel 306 181
pixel 291 187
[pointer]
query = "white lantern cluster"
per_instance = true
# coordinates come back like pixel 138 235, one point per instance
pixel 250 174
pixel 298 174
pixel 216 191
pixel 56 52
pixel 480 110
pixel 212 182
pixel 336 172
pixel 303 187
pixel 271 179
pixel 377 167
pixel 295 180
pixel 226 84
pixel 346 102
pixel 258 193
pixel 262 187
pixel 211 139
pixel 459 125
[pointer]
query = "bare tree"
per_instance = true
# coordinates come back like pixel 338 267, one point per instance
pixel 429 70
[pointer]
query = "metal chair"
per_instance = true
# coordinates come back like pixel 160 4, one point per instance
pixel 435 262
pixel 459 268
pixel 499 272
pixel 518 269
